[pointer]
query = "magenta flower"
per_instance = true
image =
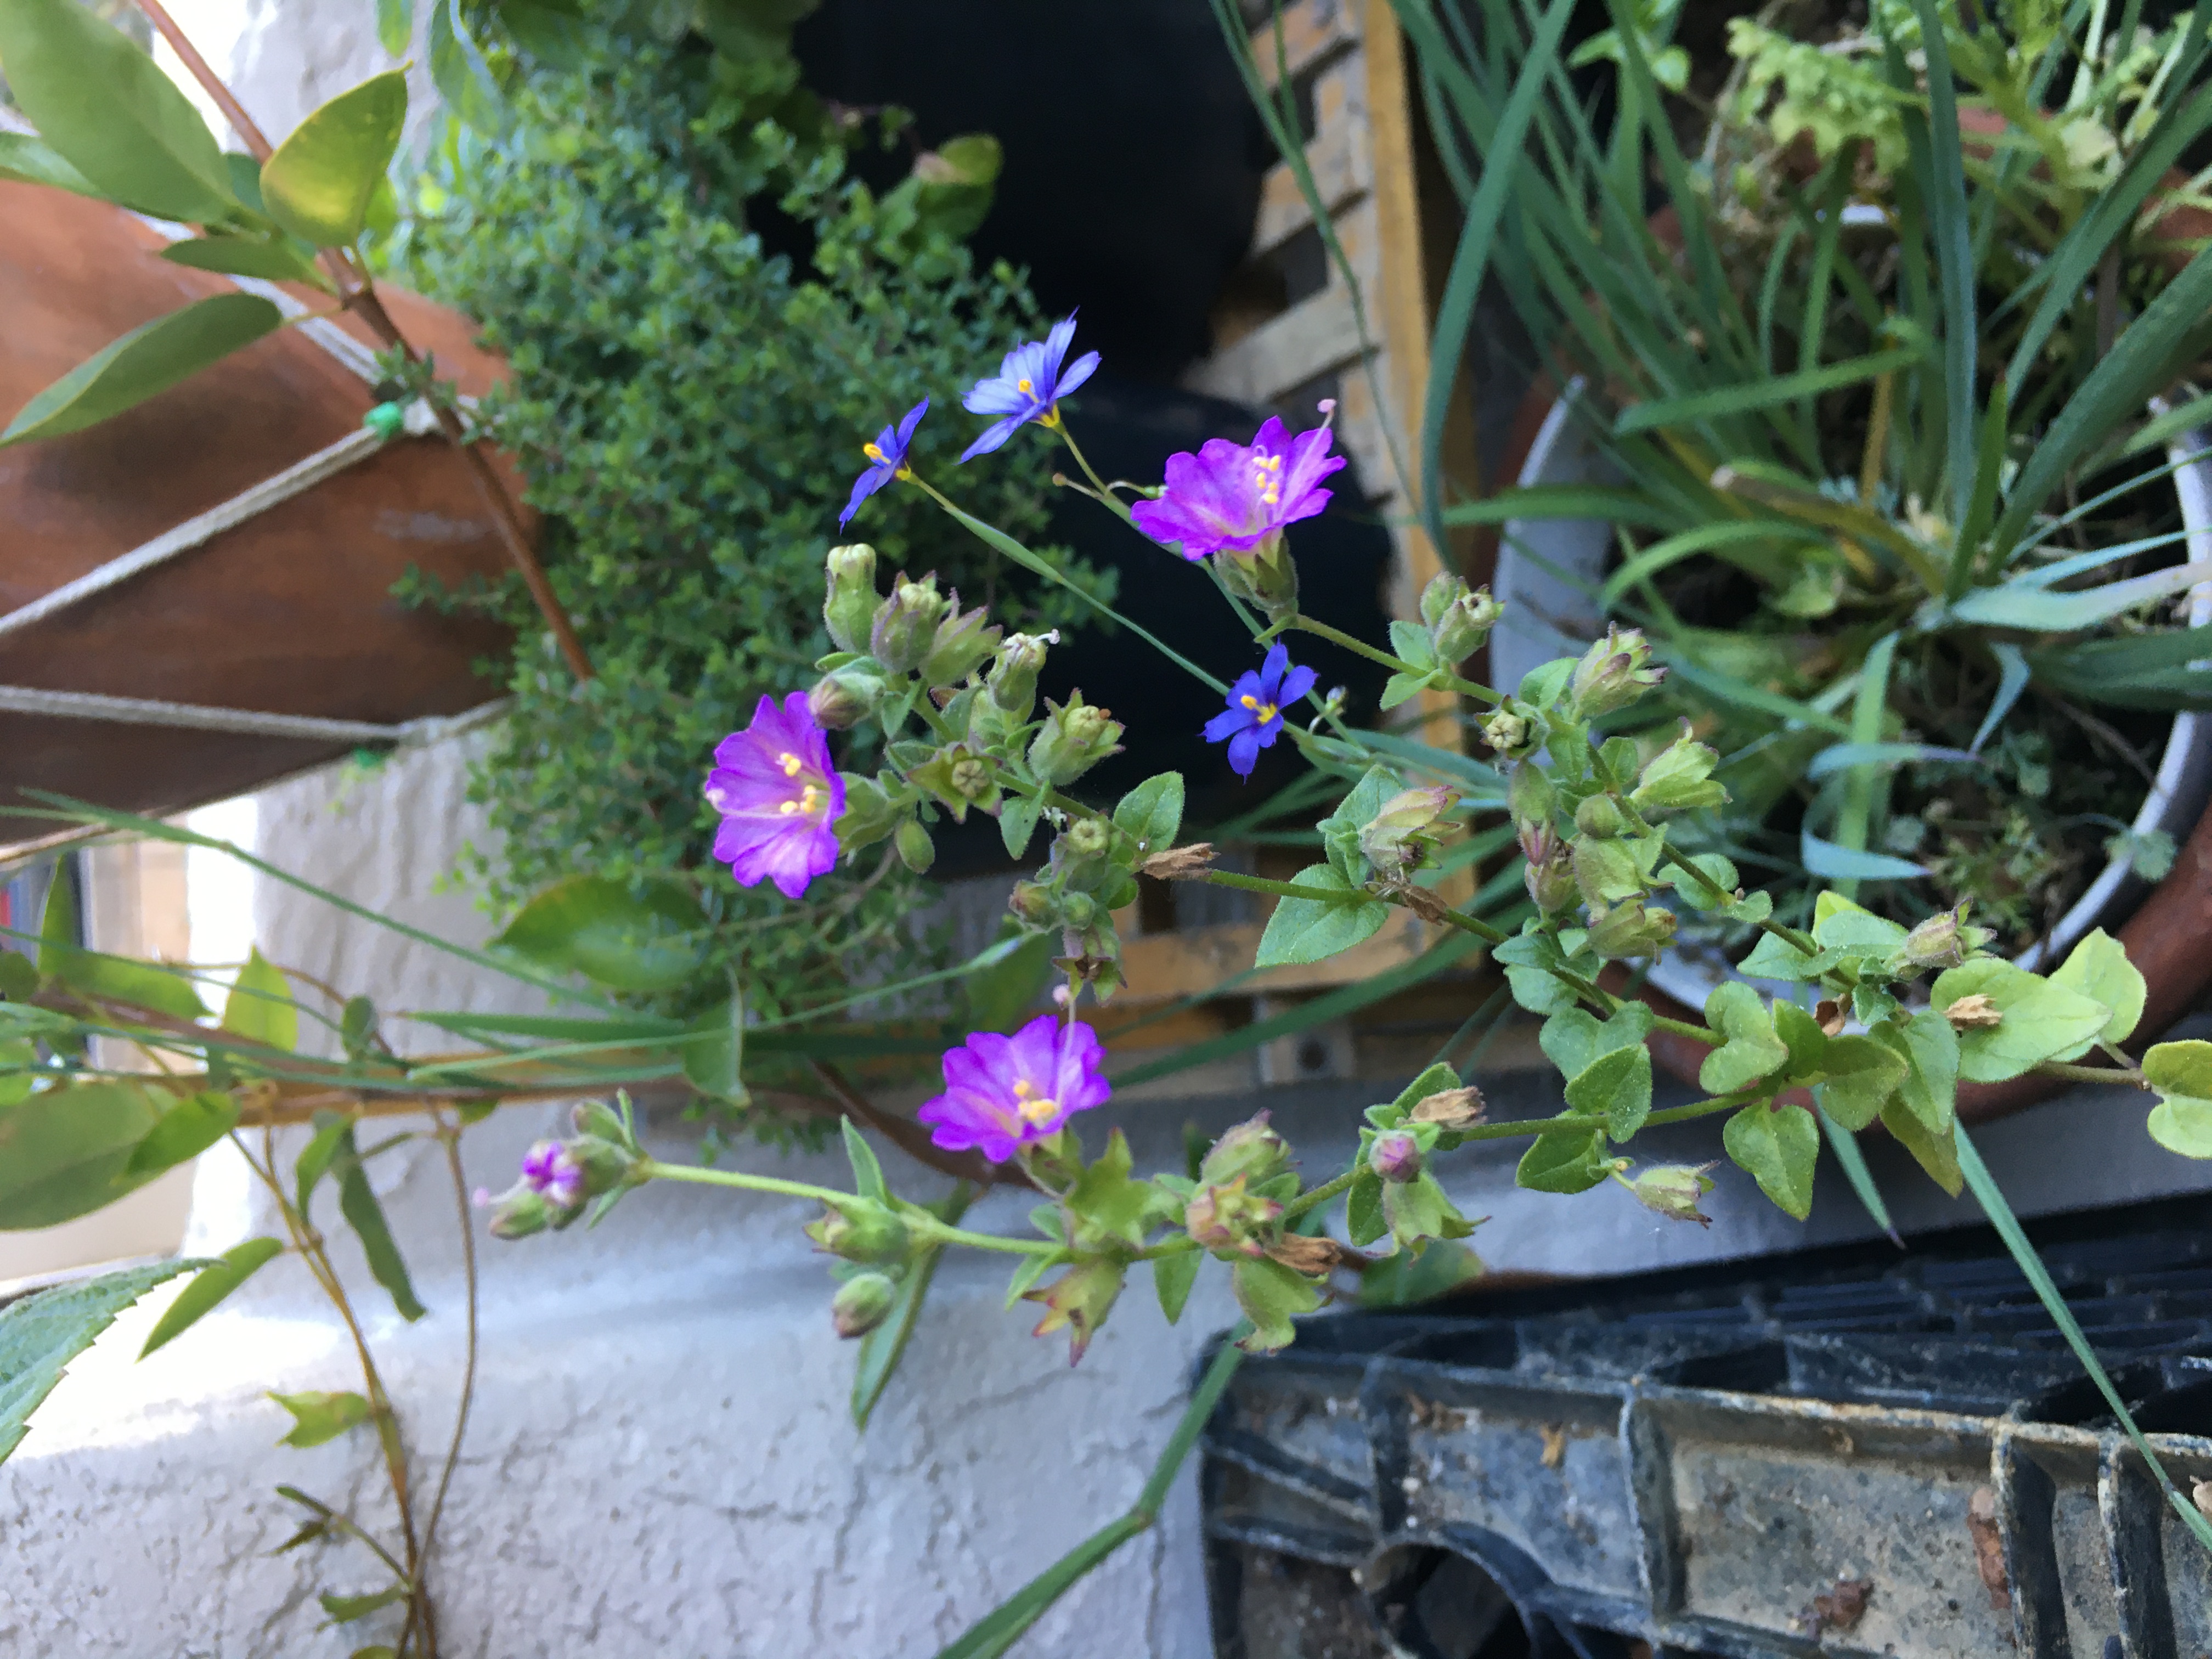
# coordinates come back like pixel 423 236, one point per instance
pixel 887 459
pixel 778 797
pixel 1231 498
pixel 550 1171
pixel 1029 387
pixel 1002 1093
pixel 1254 719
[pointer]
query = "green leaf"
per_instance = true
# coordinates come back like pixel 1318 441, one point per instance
pixel 1573 1039
pixel 150 359
pixel 1777 958
pixel 109 111
pixel 2182 1073
pixel 1017 822
pixel 1617 1086
pixel 714 1063
pixel 1405 1279
pixel 1777 1147
pixel 625 939
pixel 260 1007
pixel 357 1203
pixel 216 1280
pixel 395 26
pixel 41 1333
pixel 319 183
pixel 318 1416
pixel 1802 1035
pixel 115 978
pixel 2097 969
pixel 1564 1161
pixel 1840 924
pixel 1151 813
pixel 1403 688
pixel 1861 1073
pixel 881 1349
pixel 246 256
pixel 1363 1221
pixel 1752 1049
pixel 1004 995
pixel 345 1609
pixel 66 1151
pixel 1271 1296
pixel 1172 1278
pixel 26 161
pixel 458 69
pixel 1762 394
pixel 1309 930
pixel 2041 1019
pixel 332 1133
pixel 1929 1048
pixel 1936 1150
pixel 867 1174
pixel 182 1133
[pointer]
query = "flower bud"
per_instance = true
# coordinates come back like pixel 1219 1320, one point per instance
pixel 844 697
pixel 851 598
pixel 865 1232
pixel 1613 673
pixel 520 1213
pixel 915 850
pixel 1395 1156
pixel 1032 901
pixel 1600 816
pixel 1674 1189
pixel 1943 940
pixel 1459 618
pixel 1228 1218
pixel 1013 677
pixel 1078 910
pixel 862 1302
pixel 1605 871
pixel 605 1165
pixel 1250 1150
pixel 1265 577
pixel 1078 1300
pixel 1630 930
pixel 1529 795
pixel 1088 838
pixel 1076 736
pixel 963 644
pixel 1513 735
pixel 1406 830
pixel 1550 874
pixel 905 625
pixel 596 1118
pixel 1679 778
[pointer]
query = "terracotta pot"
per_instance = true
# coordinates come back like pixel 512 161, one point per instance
pixel 288 613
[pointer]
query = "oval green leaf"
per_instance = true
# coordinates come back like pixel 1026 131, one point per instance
pixel 321 182
pixel 27 161
pixel 1309 930
pixel 151 358
pixel 1777 1147
pixel 246 256
pixel 183 1132
pixel 260 1007
pixel 627 940
pixel 65 1152
pixel 232 1269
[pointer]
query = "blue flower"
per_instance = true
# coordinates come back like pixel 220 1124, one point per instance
pixel 1030 386
pixel 887 458
pixel 1254 714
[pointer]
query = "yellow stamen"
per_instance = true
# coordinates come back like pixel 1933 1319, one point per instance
pixel 1024 385
pixel 1036 1108
pixel 809 803
pixel 1266 711
pixel 790 764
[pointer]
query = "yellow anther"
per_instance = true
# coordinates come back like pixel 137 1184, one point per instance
pixel 1266 711
pixel 872 452
pixel 1024 385
pixel 1036 1108
pixel 790 764
pixel 809 802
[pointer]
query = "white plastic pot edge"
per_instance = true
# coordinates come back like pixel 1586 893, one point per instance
pixel 1549 570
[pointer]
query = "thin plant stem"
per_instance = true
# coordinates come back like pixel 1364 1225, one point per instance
pixel 449 1136
pixel 927 1230
pixel 1105 495
pixel 1398 664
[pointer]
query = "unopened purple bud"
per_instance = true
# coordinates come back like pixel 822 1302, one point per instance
pixel 1395 1156
pixel 552 1172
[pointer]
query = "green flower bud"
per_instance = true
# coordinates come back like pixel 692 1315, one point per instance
pixel 905 625
pixel 871 812
pixel 1078 910
pixel 1459 618
pixel 1943 940
pixel 521 1212
pixel 1228 1218
pixel 1600 816
pixel 1529 796
pixel 1265 577
pixel 915 850
pixel 1403 834
pixel 851 596
pixel 865 1232
pixel 1078 1300
pixel 1513 734
pixel 605 1165
pixel 1076 737
pixel 1674 1189
pixel 844 697
pixel 961 777
pixel 1088 838
pixel 1550 873
pixel 1013 677
pixel 1630 930
pixel 1613 673
pixel 1249 1149
pixel 600 1121
pixel 1679 779
pixel 1605 871
pixel 862 1302
pixel 963 644
pixel 1032 900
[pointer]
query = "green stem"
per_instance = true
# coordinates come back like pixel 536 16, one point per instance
pixel 1105 495
pixel 1788 935
pixel 1683 1028
pixel 2091 1073
pixel 926 1229
pixel 1467 924
pixel 1450 681
pixel 1320 1194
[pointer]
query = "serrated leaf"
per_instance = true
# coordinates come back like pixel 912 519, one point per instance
pixel 41 1333
pixel 148 360
pixel 1151 813
pixel 215 1281
pixel 1563 1161
pixel 260 1007
pixel 1172 1279
pixel 1860 1075
pixel 66 1151
pixel 2041 1019
pixel 1303 931
pixel 2097 969
pixel 319 1415
pixel 1752 1049
pixel 1778 1147
pixel 181 1133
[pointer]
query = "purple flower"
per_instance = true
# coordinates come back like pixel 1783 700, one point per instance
pixel 550 1171
pixel 1002 1093
pixel 1231 498
pixel 887 459
pixel 1029 385
pixel 779 798
pixel 1254 716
